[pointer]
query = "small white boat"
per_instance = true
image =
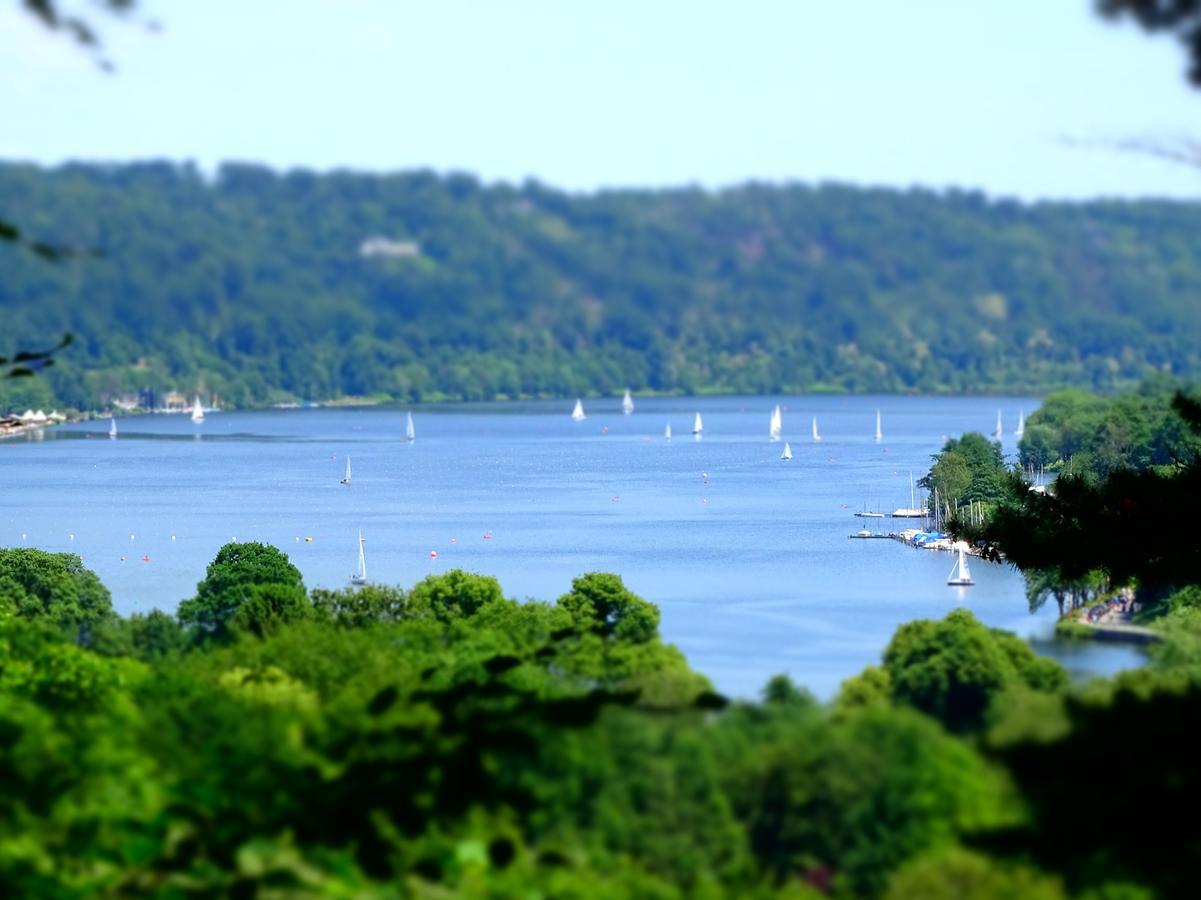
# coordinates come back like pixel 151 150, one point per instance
pixel 627 403
pixel 1020 431
pixel 960 575
pixel 879 430
pixel 346 477
pixel 667 431
pixel 578 413
pixel 816 434
pixel 697 426
pixel 787 454
pixel 999 433
pixel 197 411
pixel 410 432
pixel 112 427
pixel 360 575
pixel 776 426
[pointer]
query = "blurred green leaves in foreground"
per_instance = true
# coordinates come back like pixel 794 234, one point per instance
pixel 449 741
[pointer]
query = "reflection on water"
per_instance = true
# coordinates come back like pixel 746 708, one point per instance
pixel 746 554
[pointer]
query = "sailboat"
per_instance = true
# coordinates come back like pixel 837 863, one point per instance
pixel 787 454
pixel 197 411
pixel 697 427
pixel 777 424
pixel 999 432
pixel 879 430
pixel 960 575
pixel 1020 431
pixel 667 431
pixel 112 428
pixel 816 435
pixel 346 477
pixel 360 575
pixel 578 413
pixel 627 403
pixel 912 511
pixel 410 432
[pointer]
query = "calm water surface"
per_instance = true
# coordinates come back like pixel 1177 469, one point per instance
pixel 749 562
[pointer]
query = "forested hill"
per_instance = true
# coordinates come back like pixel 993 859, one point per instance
pixel 262 286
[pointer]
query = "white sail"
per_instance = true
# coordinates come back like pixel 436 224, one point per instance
pixel 697 427
pixel 1020 431
pixel 346 477
pixel 776 426
pixel 787 454
pixel 578 412
pixel 816 435
pixel 627 403
pixel 360 575
pixel 197 411
pixel 410 432
pixel 667 431
pixel 112 428
pixel 999 432
pixel 879 430
pixel 960 574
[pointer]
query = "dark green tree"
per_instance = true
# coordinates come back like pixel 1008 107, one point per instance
pixel 954 669
pixel 248 585
pixel 54 588
pixel 601 604
pixel 455 594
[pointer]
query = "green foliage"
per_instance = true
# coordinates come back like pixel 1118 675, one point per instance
pixel 1121 528
pixel 247 586
pixel 1092 437
pixel 252 285
pixel 455 594
pixel 359 607
pixel 449 741
pixel 962 875
pixel 969 469
pixel 148 637
pixel 601 604
pixel 862 795
pixel 955 669
pixel 54 588
pixel 1127 748
pixel 871 687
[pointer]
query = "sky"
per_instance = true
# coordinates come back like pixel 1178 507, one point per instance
pixel 1013 97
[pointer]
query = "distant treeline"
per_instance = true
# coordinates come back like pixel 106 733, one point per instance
pixel 261 286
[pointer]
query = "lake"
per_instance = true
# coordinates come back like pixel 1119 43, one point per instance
pixel 746 555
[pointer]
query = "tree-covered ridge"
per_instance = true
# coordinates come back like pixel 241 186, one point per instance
pixel 260 286
pixel 449 741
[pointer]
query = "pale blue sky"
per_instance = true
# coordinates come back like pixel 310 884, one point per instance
pixel 975 93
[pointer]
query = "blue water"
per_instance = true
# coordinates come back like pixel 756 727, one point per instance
pixel 750 562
